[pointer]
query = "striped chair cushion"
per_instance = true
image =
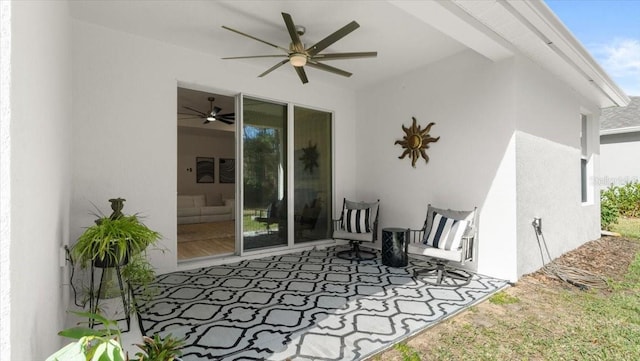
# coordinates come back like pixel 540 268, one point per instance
pixel 446 233
pixel 357 220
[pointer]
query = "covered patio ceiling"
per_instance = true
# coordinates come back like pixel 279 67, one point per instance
pixel 406 34
pixel 403 42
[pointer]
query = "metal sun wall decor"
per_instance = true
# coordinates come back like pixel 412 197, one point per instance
pixel 416 141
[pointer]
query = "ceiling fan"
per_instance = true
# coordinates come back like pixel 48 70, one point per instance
pixel 299 56
pixel 213 114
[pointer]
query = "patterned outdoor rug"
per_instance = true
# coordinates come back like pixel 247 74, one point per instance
pixel 304 306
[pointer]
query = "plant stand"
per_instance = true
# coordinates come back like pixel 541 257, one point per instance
pixel 94 296
pixel 109 287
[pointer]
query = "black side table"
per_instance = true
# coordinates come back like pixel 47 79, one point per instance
pixel 394 247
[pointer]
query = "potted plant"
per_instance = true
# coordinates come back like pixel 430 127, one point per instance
pixel 160 349
pixel 118 241
pixel 90 344
pixel 112 240
pixel 105 344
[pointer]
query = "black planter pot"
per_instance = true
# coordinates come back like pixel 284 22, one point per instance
pixel 109 262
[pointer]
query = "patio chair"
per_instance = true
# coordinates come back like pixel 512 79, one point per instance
pixel 358 223
pixel 446 236
pixel 271 216
pixel 308 218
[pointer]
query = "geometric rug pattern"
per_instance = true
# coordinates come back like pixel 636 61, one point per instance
pixel 309 305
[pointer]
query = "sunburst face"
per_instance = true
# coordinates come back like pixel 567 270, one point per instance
pixel 310 157
pixel 416 141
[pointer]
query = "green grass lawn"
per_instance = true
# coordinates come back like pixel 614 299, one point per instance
pixel 627 227
pixel 249 223
pixel 575 325
pixel 542 322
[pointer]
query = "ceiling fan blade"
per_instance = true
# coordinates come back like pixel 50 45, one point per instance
pixel 228 115
pixel 254 38
pixel 295 38
pixel 195 110
pixel 328 68
pixel 255 56
pixel 187 118
pixel 216 110
pixel 340 56
pixel 274 68
pixel 226 121
pixel 326 42
pixel 301 74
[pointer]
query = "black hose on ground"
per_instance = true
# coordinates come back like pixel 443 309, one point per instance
pixel 574 276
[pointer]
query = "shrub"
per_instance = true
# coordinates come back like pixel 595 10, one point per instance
pixel 609 212
pixel 626 198
pixel 617 201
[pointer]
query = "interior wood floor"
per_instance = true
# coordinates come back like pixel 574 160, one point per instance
pixel 205 239
pixel 205 248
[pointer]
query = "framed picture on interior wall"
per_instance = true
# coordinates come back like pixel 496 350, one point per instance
pixel 227 170
pixel 204 170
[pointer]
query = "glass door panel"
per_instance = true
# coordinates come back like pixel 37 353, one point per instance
pixel 264 143
pixel 312 175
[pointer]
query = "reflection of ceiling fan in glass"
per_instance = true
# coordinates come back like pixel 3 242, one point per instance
pixel 299 56
pixel 212 115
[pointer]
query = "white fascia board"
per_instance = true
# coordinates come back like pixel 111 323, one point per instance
pixel 620 130
pixel 451 20
pixel 555 34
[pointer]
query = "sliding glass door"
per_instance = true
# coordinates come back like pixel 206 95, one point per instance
pixel 286 174
pixel 312 174
pixel 264 165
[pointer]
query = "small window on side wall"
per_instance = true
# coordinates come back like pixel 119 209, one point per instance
pixel 585 166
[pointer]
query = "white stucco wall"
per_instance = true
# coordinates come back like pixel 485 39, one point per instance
pixel 619 159
pixel 509 145
pixel 548 156
pixel 124 122
pixel 5 180
pixel 37 176
pixel 471 101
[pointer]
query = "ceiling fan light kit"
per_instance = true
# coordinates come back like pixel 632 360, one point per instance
pixel 298 59
pixel 299 56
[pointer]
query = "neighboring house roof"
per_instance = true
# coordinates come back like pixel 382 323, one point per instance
pixel 616 120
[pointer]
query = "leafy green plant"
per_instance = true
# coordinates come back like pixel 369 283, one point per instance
pixel 140 274
pixel 91 345
pixel 117 240
pixel 104 344
pixel 609 213
pixel 617 201
pixel 626 198
pixel 160 349
pixel 112 240
pixel 139 271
